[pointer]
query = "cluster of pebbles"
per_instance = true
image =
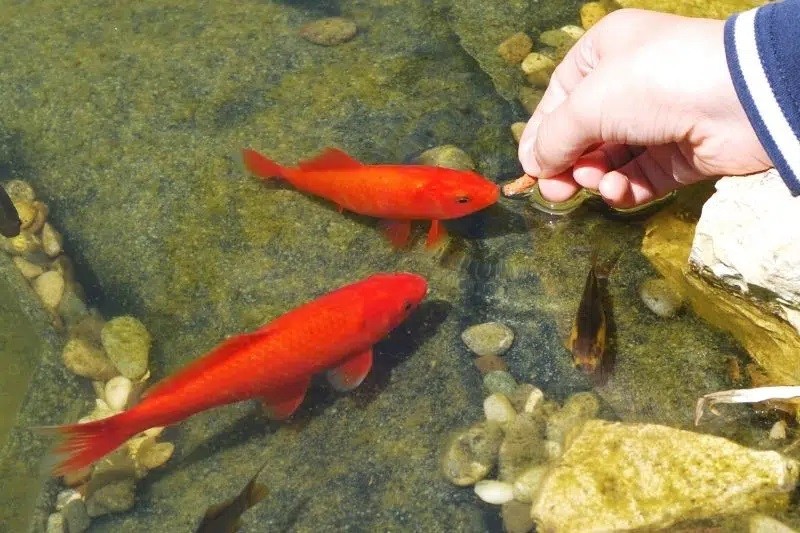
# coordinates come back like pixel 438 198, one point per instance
pixel 522 436
pixel 112 354
pixel 537 65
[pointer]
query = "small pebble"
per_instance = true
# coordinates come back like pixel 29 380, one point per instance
pixel 27 269
pixel 778 430
pixel 495 492
pixel 19 190
pixel 55 523
pixel 65 496
pixel 659 297
pixel 27 213
pixel 556 38
pixel 528 482
pixel 117 391
pixel 471 454
pixel 582 404
pixel 591 13
pixel 72 308
pixel 447 156
pixel 538 68
pixel 127 344
pixel 153 454
pixel 75 516
pixel 498 409
pixel 514 49
pixel 115 497
pixel 530 98
pixel 24 244
pixel 84 359
pixel 490 363
pixel 490 338
pixel 51 240
pixel 329 31
pixel 516 130
pixel 516 517
pixel 576 32
pixel 41 217
pixel 500 381
pixel 527 398
pixel 50 288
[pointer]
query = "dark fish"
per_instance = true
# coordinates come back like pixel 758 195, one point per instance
pixel 225 517
pixel 589 336
pixel 9 218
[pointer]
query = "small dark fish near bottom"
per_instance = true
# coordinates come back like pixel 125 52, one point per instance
pixel 10 223
pixel 589 339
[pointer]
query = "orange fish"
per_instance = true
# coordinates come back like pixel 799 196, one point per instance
pixel 334 333
pixel 397 194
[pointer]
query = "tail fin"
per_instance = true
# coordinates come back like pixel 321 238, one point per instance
pixel 262 167
pixel 83 444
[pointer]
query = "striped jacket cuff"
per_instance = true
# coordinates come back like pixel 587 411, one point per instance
pixel 763 52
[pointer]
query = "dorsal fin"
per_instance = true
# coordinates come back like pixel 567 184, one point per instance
pixel 330 159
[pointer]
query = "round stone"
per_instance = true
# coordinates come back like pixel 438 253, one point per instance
pixel 127 343
pixel 490 338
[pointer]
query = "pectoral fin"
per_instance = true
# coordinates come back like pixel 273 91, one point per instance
pixel 352 372
pixel 281 404
pixel 398 232
pixel 435 234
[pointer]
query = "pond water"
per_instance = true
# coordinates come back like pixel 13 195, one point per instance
pixel 128 121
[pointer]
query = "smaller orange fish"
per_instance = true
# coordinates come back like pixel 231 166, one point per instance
pixel 397 194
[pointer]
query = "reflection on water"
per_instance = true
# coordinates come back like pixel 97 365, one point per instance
pixel 128 120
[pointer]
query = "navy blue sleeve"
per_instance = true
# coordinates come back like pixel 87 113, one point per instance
pixel 763 51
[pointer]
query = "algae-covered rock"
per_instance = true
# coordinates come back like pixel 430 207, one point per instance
pixel 127 344
pixel 618 476
pixel 667 243
pixel 115 497
pixel 746 241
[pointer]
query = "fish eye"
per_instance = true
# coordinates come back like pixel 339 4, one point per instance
pixel 462 199
pixel 406 306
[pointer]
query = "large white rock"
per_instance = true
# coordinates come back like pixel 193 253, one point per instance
pixel 748 239
pixel 619 477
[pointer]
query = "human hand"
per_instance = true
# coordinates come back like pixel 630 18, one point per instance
pixel 642 104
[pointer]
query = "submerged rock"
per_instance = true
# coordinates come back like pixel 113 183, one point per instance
pixel 667 244
pixel 84 359
pixel 127 343
pixel 660 298
pixel 329 31
pixel 490 338
pixel 514 49
pixel 115 497
pixel 746 240
pixel 447 156
pixel 618 476
pixel 472 454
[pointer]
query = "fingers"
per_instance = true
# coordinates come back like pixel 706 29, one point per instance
pixel 576 65
pixel 625 176
pixel 558 188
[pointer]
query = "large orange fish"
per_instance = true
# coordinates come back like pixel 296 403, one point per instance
pixel 397 194
pixel 334 333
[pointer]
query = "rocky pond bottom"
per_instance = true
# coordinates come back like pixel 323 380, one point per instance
pixel 145 244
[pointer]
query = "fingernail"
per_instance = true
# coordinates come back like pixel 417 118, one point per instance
pixel 526 157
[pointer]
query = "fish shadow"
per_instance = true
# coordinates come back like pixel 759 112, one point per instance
pixel 398 346
pixel 495 221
